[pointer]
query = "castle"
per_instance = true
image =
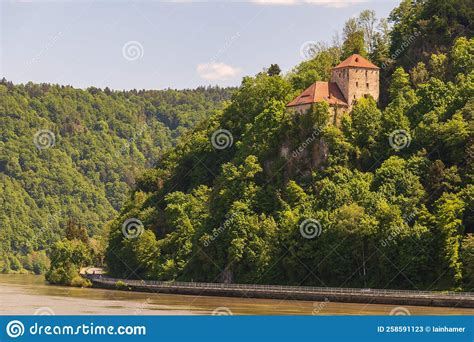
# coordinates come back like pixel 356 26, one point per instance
pixel 351 79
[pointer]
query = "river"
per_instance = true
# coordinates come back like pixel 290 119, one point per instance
pixel 28 294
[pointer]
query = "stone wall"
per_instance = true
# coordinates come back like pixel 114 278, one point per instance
pixel 300 109
pixel 340 76
pixel 335 112
pixel 363 82
pixel 357 82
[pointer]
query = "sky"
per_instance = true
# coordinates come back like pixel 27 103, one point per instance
pixel 156 45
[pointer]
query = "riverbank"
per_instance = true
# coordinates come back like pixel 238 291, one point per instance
pixel 343 295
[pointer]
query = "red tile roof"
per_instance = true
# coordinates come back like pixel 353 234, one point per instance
pixel 320 91
pixel 356 61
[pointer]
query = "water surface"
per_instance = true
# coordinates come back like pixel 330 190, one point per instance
pixel 29 294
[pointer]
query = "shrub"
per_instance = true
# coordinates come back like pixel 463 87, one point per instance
pixel 62 275
pixel 120 285
pixel 40 262
pixel 68 257
pixel 79 281
pixel 15 264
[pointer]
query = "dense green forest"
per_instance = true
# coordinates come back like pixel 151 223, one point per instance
pixel 384 200
pixel 251 193
pixel 69 157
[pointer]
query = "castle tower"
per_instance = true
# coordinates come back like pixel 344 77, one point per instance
pixel 351 79
pixel 356 77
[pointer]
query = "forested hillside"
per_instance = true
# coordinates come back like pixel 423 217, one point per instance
pixel 261 196
pixel 68 157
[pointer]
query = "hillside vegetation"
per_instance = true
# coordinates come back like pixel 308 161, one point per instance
pixel 225 185
pixel 261 196
pixel 70 157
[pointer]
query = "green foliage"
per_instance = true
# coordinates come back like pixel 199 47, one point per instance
pixel 76 232
pixel 103 140
pixel 79 281
pixel 318 68
pixel 438 64
pixel 120 285
pixel 399 83
pixel 274 70
pixel 36 262
pixel 448 214
pixel 67 258
pixel 421 28
pixel 462 55
pixel 252 98
pixel 387 216
pixel 384 216
pixel 366 122
pixel 262 136
pixel 419 74
pixel 353 39
pixel 467 257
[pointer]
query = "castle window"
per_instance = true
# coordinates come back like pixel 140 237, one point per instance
pixel 367 85
pixel 354 96
pixel 357 84
pixel 366 72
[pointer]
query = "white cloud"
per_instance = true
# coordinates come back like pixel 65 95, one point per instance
pixel 217 71
pixel 327 3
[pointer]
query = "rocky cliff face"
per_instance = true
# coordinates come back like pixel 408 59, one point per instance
pixel 304 158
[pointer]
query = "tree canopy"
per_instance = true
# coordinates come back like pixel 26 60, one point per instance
pixel 255 193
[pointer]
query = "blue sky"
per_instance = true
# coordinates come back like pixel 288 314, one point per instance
pixel 157 45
